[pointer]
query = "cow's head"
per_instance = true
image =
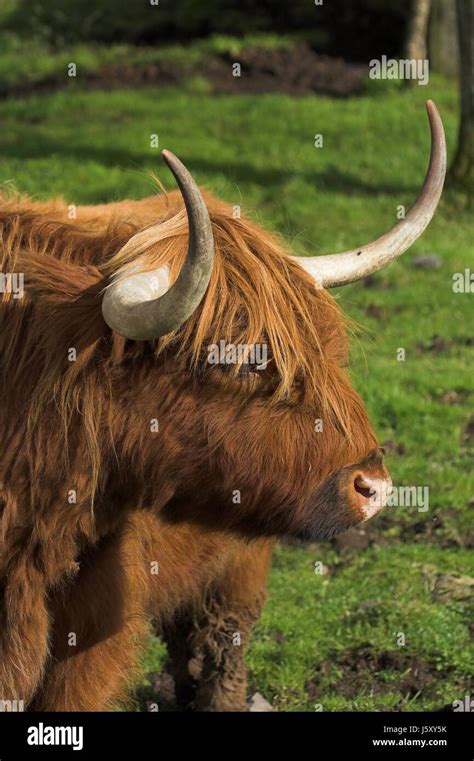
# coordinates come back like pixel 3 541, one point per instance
pixel 278 441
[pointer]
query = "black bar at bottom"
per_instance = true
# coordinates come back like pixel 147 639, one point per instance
pixel 154 735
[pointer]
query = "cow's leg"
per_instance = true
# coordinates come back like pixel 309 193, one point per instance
pixel 185 655
pixel 99 628
pixel 207 646
pixel 100 619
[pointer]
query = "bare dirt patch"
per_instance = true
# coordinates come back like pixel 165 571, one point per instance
pixel 296 71
pixel 362 671
pixel 453 397
pixel 439 345
pixel 467 435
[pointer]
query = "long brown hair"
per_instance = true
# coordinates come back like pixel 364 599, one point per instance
pixel 256 293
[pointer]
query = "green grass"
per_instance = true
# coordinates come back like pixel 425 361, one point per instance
pixel 259 152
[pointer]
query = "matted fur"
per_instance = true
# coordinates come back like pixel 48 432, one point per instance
pixel 256 294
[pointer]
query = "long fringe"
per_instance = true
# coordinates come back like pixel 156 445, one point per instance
pixel 257 294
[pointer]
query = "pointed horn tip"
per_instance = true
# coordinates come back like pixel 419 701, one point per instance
pixel 167 156
pixel 437 132
pixel 177 169
pixel 433 113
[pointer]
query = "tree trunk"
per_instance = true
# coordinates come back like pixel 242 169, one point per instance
pixel 443 43
pixel 462 169
pixel 416 44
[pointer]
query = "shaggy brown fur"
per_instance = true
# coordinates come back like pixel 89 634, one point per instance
pixel 93 494
pixel 209 588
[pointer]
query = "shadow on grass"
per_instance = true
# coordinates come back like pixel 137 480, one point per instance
pixel 146 697
pixel 330 179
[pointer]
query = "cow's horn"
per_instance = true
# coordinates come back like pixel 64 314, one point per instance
pixel 143 306
pixel 339 269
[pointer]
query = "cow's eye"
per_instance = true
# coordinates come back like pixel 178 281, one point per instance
pixel 255 366
pixel 245 370
pixel 251 369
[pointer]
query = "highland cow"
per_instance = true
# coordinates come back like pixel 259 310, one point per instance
pixel 144 485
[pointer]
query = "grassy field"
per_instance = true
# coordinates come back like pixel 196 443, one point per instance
pixel 331 640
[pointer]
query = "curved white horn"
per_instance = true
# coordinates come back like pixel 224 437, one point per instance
pixel 142 306
pixel 332 270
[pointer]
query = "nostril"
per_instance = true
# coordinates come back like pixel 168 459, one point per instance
pixel 362 487
pixel 369 491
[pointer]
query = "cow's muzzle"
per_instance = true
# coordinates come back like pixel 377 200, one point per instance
pixel 350 496
pixel 369 486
